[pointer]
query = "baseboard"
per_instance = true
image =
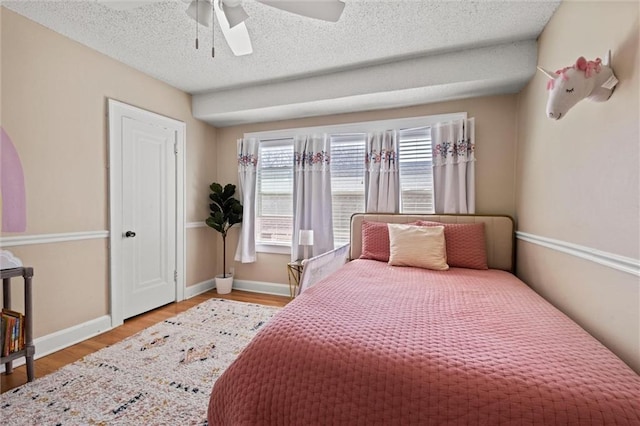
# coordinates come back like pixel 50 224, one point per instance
pixel 262 287
pixel 196 289
pixel 244 285
pixel 54 342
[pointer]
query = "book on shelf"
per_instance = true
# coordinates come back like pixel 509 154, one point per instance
pixel 8 325
pixel 12 332
pixel 3 329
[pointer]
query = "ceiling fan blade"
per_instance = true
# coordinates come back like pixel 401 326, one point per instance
pixel 237 37
pixel 235 14
pixel 326 10
pixel 201 10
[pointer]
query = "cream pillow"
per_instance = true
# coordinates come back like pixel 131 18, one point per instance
pixel 420 246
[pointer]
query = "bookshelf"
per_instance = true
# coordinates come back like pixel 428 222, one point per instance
pixel 28 350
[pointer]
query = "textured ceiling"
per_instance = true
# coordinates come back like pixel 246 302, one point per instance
pixel 158 39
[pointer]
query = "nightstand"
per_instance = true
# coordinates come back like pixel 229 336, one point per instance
pixel 27 349
pixel 294 270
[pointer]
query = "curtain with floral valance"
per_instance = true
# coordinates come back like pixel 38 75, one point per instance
pixel 382 184
pixel 248 154
pixel 312 193
pixel 453 145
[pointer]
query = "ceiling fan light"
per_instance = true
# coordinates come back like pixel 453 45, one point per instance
pixel 235 14
pixel 200 11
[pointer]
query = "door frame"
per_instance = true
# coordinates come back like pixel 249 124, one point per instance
pixel 116 110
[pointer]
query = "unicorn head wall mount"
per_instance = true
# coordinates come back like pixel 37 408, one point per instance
pixel 593 80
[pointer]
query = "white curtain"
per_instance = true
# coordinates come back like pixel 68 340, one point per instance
pixel 382 184
pixel 312 194
pixel 454 166
pixel 247 173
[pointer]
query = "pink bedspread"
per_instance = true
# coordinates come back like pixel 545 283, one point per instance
pixel 375 344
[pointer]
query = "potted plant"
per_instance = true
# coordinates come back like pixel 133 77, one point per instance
pixel 226 211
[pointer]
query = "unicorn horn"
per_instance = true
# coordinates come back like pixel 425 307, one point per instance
pixel 607 59
pixel 549 74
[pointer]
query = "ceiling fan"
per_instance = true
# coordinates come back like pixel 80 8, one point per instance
pixel 231 16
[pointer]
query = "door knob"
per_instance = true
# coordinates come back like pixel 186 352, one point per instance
pixel 129 234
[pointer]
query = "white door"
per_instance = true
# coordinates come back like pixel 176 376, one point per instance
pixel 146 208
pixel 148 216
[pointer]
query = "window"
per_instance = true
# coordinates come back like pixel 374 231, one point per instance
pixel 416 175
pixel 348 170
pixel 274 205
pixel 274 192
pixel 347 182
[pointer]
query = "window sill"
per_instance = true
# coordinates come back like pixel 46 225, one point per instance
pixel 273 248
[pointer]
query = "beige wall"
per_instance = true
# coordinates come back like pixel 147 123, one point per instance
pixel 578 178
pixel 495 167
pixel 54 98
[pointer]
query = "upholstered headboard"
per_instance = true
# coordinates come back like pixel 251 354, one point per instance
pixel 498 233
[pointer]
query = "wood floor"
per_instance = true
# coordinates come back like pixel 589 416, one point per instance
pixel 53 362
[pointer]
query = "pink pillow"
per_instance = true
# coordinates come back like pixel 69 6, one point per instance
pixel 375 241
pixel 466 247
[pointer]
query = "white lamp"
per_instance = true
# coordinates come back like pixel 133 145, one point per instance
pixel 305 238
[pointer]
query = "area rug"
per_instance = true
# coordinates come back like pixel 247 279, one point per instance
pixel 160 376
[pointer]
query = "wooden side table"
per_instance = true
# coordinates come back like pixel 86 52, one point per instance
pixel 29 350
pixel 294 270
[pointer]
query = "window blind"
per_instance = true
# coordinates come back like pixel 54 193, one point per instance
pixel 416 176
pixel 347 182
pixel 274 206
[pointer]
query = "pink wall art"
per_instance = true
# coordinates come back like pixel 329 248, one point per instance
pixel 12 190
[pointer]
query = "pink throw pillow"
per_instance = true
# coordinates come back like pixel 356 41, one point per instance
pixel 466 247
pixel 375 241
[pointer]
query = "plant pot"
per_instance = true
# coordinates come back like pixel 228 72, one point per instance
pixel 223 285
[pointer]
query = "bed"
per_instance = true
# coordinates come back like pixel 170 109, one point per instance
pixel 379 344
